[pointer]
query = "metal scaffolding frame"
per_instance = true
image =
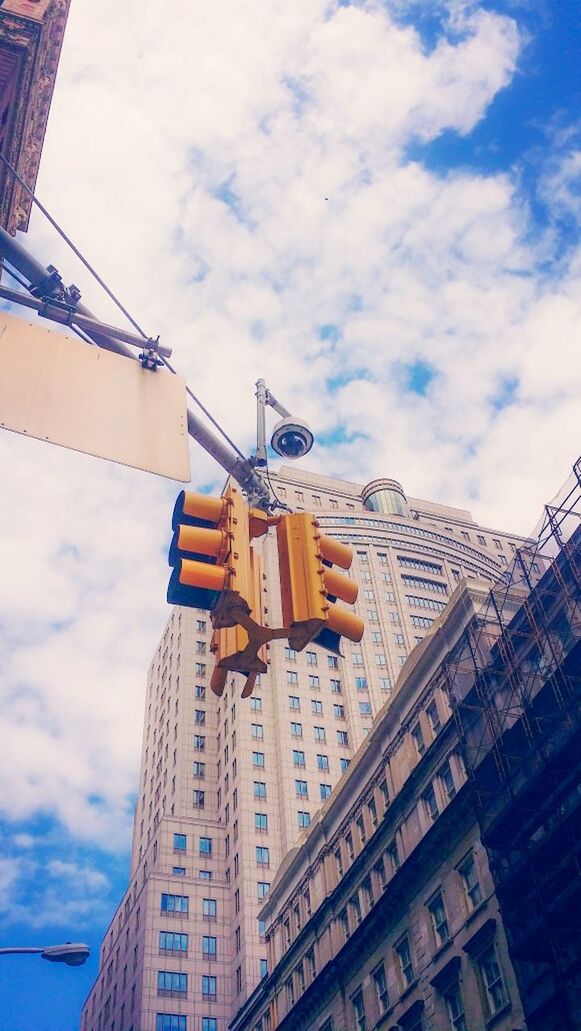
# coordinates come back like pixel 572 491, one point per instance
pixel 514 682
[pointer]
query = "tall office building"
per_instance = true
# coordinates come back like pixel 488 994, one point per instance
pixel 228 786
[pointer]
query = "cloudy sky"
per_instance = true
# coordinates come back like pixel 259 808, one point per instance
pixel 374 205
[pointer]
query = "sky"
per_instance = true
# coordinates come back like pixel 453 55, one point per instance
pixel 374 206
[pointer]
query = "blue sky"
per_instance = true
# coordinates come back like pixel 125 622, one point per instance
pixel 373 205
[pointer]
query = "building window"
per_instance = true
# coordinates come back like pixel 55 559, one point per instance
pixel 433 717
pixel 290 653
pixel 339 712
pixel 205 846
pixel 259 789
pixel 263 968
pixel 201 626
pixel 200 692
pixel 290 993
pixel 293 702
pixel 209 909
pixel 359 1010
pixel 171 982
pixel 361 683
pixel 208 986
pixel 209 946
pixel 385 684
pixel 199 770
pixel 200 668
pixel 262 889
pixel 311 658
pixel 447 780
pixel 292 676
pixel 198 799
pixel 455 1007
pixel 319 734
pixel 323 762
pixel 357 658
pixel 262 856
pixel 344 924
pixel 356 910
pixel 179 842
pixel 339 863
pixel 404 959
pixel 169 1021
pixel 344 765
pixel 314 682
pixel 325 791
pixel 296 729
pixel 256 704
pixel 304 819
pixel 175 904
pixel 316 706
pixel 439 920
pixel 171 941
pixel 298 758
pixel 261 821
pixel 257 731
pixel 365 709
pixel 332 662
pixel 492 980
pixel 350 846
pixel 335 686
pixel 342 738
pixel 178 871
pixel 301 789
pixel 209 1024
pixel 380 873
pixel 258 759
pixel 205 875
pixel 201 647
pixel 430 804
pixel 380 985
pixel 360 824
pixel 471 884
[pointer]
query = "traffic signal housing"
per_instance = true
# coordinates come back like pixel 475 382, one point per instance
pixel 210 549
pixel 311 587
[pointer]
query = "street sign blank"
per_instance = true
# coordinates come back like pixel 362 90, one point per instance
pixel 59 389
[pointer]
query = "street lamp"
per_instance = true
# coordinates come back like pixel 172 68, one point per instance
pixel 74 954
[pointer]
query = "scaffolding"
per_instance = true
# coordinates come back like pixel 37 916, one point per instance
pixel 514 680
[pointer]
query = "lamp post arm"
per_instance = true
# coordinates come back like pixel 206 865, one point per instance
pixel 18 952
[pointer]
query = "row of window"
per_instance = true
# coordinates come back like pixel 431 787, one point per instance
pixel 488 972
pixel 180 904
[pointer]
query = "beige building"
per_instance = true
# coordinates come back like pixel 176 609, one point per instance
pixel 227 787
pixel 385 915
pixel 31 35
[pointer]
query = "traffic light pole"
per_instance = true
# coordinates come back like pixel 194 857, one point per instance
pixel 46 285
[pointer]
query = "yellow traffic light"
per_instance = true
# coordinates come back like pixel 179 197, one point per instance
pixel 210 550
pixel 310 586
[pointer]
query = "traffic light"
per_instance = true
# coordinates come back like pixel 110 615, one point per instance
pixel 210 549
pixel 310 587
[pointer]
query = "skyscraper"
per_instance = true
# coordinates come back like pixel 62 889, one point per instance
pixel 228 786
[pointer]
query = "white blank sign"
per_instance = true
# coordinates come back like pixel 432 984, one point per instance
pixel 62 390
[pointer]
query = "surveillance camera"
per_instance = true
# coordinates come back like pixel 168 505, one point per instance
pixel 291 438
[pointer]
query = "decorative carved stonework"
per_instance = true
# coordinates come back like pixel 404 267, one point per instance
pixel 31 35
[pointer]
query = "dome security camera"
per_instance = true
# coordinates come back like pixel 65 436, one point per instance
pixel 291 438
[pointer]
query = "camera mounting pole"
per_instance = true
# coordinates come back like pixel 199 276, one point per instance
pixel 264 397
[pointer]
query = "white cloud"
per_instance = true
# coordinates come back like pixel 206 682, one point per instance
pixel 238 173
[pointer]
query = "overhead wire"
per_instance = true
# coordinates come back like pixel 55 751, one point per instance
pixel 112 296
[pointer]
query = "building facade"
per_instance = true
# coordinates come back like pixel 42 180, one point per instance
pixel 31 35
pixel 228 786
pixel 440 886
